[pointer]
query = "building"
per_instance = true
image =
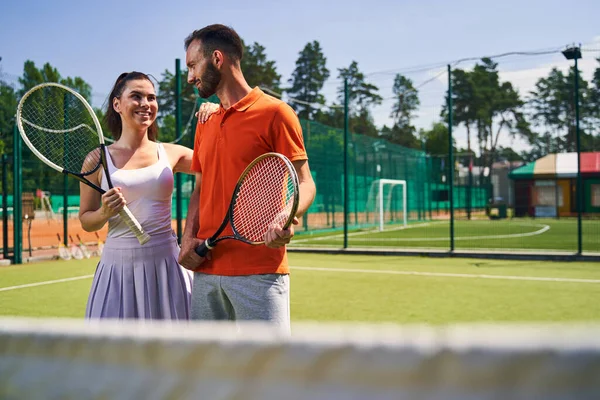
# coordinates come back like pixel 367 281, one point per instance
pixel 547 186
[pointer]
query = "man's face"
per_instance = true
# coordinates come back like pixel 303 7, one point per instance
pixel 202 73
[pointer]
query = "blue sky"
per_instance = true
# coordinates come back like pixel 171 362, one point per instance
pixel 99 40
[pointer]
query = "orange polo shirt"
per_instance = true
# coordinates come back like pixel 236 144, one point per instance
pixel 224 146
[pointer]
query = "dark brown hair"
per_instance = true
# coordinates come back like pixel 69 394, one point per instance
pixel 112 118
pixel 218 37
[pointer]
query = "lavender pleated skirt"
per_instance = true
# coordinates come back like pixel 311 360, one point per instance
pixel 145 282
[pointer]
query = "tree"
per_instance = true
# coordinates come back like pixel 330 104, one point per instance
pixel 403 135
pixel 259 71
pixel 480 100
pixel 406 102
pixel 435 140
pixel 464 106
pixel 553 111
pixel 361 96
pixel 594 108
pixel 508 154
pixel 8 105
pixel 307 80
pixel 166 107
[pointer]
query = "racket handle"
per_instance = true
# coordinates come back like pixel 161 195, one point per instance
pixel 204 248
pixel 134 225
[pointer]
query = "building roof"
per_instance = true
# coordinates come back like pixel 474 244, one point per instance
pixel 561 165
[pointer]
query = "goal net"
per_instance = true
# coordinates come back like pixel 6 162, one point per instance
pixel 386 203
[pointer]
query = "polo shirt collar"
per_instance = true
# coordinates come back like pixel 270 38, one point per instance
pixel 248 100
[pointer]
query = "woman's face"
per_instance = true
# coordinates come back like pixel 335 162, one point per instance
pixel 137 105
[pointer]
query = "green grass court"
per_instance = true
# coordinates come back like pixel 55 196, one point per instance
pixel 363 288
pixel 520 234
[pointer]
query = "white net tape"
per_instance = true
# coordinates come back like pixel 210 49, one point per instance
pixel 44 359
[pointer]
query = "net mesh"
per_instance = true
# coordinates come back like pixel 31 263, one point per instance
pixel 60 127
pixel 265 198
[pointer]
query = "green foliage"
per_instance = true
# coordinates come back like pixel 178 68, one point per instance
pixel 361 94
pixel 404 135
pixel 435 140
pixel 307 80
pixel 405 104
pixel 259 71
pixel 482 102
pixel 406 101
pixel 8 105
pixel 553 111
pixel 167 108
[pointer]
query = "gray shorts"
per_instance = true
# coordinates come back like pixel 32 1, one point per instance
pixel 242 298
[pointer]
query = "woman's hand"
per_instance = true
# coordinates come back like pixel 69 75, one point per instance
pixel 113 202
pixel 206 110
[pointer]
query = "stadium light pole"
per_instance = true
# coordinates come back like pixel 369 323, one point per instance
pixel 346 123
pixel 178 177
pixel 574 53
pixel 450 159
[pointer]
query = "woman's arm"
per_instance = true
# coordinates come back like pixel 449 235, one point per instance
pixel 96 209
pixel 180 157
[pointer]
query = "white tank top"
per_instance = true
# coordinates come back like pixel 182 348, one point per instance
pixel 148 193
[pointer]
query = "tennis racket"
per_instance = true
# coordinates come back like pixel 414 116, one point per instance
pixel 266 194
pixel 100 244
pixel 62 130
pixel 63 252
pixel 75 250
pixel 83 247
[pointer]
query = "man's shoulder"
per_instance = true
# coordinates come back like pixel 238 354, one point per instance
pixel 271 104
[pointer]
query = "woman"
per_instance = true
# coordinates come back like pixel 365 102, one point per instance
pixel 134 281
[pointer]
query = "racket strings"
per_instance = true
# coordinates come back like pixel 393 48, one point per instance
pixel 265 198
pixel 60 127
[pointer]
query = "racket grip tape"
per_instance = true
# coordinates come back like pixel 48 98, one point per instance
pixel 204 248
pixel 134 225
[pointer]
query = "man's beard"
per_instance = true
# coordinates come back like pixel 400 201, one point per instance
pixel 209 81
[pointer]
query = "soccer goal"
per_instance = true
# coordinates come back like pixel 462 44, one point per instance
pixel 387 203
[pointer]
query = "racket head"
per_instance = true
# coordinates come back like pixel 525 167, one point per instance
pixel 75 250
pixel 83 247
pixel 100 245
pixel 267 193
pixel 63 252
pixel 60 128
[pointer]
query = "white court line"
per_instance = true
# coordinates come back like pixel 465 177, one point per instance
pixel 363 271
pixel 451 275
pixel 506 236
pixel 369 232
pixel 544 228
pixel 46 283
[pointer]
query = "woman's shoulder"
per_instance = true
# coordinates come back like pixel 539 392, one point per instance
pixel 172 148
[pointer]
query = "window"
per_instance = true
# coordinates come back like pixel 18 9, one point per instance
pixel 595 191
pixel 545 194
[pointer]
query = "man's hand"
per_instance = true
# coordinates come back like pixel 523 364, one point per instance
pixel 188 257
pixel 277 237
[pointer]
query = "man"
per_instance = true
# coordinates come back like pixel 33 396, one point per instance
pixel 237 281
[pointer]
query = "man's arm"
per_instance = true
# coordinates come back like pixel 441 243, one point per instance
pixel 307 186
pixel 187 256
pixel 277 237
